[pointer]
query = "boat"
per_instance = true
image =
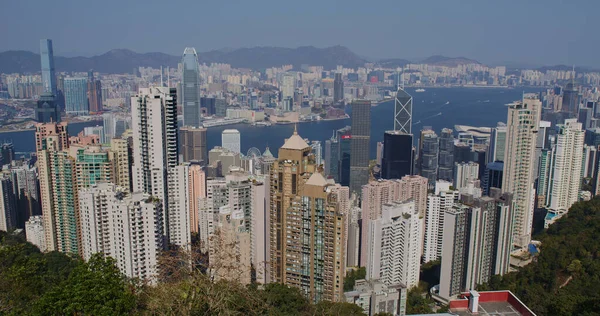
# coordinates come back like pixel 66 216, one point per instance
pixel 447 102
pixel 420 90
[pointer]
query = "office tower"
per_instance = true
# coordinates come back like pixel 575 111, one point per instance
pixel 190 84
pixel 437 204
pixel 398 157
pixel 230 258
pixel 220 107
pixel 115 125
pixel 58 194
pixel 332 158
pixel 379 153
pixel 394 245
pixel 465 172
pixel 565 168
pixel 34 232
pixel 95 130
pixel 8 206
pixel 47 61
pixel 590 161
pixel 344 137
pixel 197 190
pixel 428 156
pixel 125 226
pixel 403 112
pixel 301 195
pixel 338 88
pixel 317 151
pixel 121 158
pixel 519 159
pixel 193 144
pixel 155 152
pixel 446 155
pixel 47 109
pixel 497 143
pixel 462 153
pixel 7 152
pixel 76 99
pixel 230 139
pixel 570 102
pixel 225 158
pixel 94 89
pixel 288 85
pixel 207 104
pixel 492 177
pixel 359 157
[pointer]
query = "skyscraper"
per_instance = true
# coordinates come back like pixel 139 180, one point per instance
pixel 47 59
pixel 8 205
pixel 446 156
pixel 497 143
pixel 193 144
pixel 519 160
pixel 403 112
pixel 332 158
pixel 47 109
pixel 394 245
pixel 428 156
pixel 288 85
pixel 307 256
pixel 58 192
pixel 465 172
pixel 230 139
pixel 76 96
pixel 492 177
pixel 125 226
pixel 398 157
pixel 564 180
pixel 570 102
pixel 437 204
pixel 338 88
pixel 94 90
pixel 344 136
pixel 190 84
pixel 361 131
pixel 155 152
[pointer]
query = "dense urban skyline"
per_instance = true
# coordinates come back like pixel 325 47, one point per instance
pixel 482 32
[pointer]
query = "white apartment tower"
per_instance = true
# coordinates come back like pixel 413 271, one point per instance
pixel 564 180
pixel 437 205
pixel 34 231
pixel 127 227
pixel 394 253
pixel 519 163
pixel 155 152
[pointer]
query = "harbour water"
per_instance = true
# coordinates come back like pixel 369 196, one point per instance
pixel 436 107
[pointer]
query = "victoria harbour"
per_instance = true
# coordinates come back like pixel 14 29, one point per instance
pixel 435 107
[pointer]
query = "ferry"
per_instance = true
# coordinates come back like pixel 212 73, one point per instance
pixel 420 90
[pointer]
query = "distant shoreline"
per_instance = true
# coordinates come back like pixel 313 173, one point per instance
pixel 3 131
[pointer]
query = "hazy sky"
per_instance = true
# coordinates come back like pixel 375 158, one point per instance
pixel 538 32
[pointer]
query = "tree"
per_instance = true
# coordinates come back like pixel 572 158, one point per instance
pixel 327 308
pixel 352 276
pixel 94 288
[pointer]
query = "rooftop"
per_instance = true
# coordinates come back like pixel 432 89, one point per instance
pixel 495 303
pixel 295 142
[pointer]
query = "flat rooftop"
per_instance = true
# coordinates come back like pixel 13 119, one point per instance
pixel 496 303
pixel 490 308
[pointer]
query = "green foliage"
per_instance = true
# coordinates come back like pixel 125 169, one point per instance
pixel 417 303
pixel 352 276
pixel 327 308
pixel 564 278
pixel 94 288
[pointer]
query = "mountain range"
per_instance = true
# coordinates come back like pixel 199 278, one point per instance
pixel 124 60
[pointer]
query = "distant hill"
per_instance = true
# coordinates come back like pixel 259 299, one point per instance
pixel 393 62
pixel 439 60
pixel 123 60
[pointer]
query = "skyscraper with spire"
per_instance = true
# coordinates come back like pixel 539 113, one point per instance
pixel 190 84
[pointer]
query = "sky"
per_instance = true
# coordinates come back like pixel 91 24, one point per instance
pixel 535 32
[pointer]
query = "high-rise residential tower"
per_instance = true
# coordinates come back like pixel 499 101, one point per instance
pixel 47 58
pixel 190 84
pixel 564 180
pixel 307 241
pixel 57 173
pixel 519 161
pixel 361 131
pixel 155 152
pixel 94 90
